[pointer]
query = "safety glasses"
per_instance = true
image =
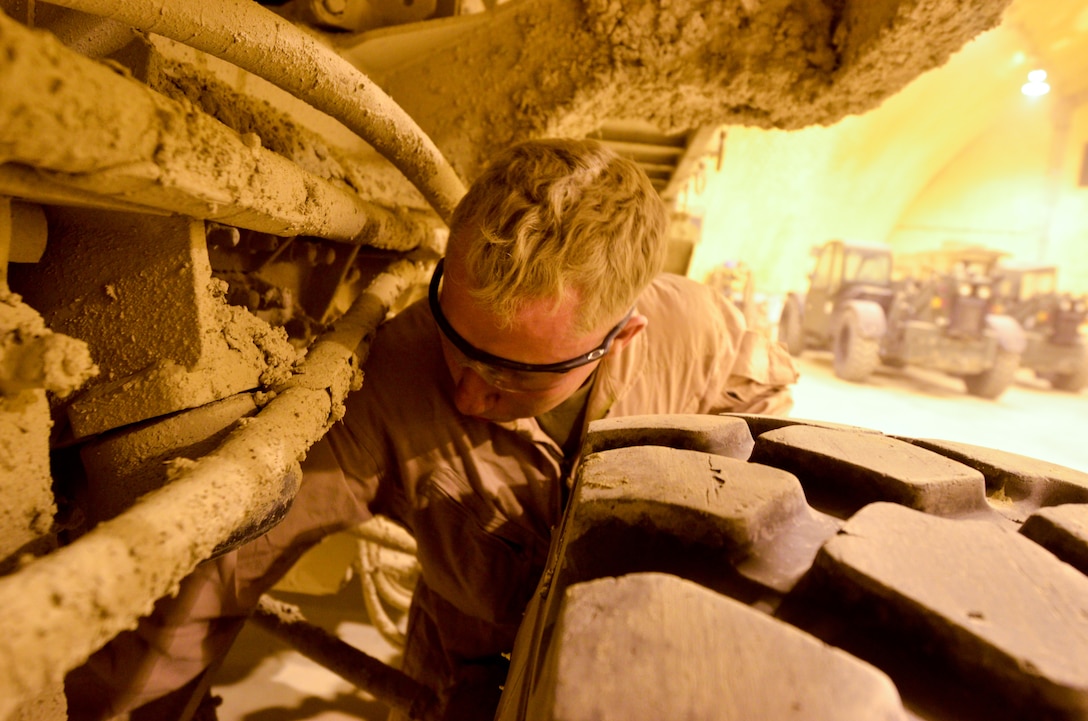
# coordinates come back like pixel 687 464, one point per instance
pixel 508 374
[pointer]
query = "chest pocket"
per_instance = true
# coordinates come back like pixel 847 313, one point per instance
pixel 471 553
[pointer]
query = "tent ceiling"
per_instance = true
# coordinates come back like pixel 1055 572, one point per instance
pixel 1057 31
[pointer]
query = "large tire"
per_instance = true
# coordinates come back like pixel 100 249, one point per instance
pixel 855 355
pixel 1074 381
pixel 992 382
pixel 791 332
pixel 836 573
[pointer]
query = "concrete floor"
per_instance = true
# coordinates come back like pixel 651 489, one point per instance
pixel 1029 418
pixel 263 680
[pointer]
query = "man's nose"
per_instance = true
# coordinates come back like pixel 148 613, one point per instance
pixel 472 395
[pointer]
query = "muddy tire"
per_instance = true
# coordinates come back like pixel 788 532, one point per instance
pixel 790 329
pixel 991 383
pixel 835 573
pixel 855 356
pixel 1073 382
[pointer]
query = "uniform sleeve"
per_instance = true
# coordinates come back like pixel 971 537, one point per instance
pixel 191 632
pixel 755 372
pixel 184 636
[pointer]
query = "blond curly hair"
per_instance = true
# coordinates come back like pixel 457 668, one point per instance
pixel 552 217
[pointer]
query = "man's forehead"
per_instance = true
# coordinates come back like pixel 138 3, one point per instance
pixel 540 330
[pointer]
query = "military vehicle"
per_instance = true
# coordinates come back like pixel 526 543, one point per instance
pixel 943 322
pixel 950 258
pixel 1054 323
pixel 193 192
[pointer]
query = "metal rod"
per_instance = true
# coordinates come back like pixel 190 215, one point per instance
pixel 387 684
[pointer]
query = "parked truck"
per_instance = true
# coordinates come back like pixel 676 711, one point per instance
pixel 1053 322
pixel 945 321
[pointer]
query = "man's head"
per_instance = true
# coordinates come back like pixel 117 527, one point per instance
pixel 548 252
pixel 550 218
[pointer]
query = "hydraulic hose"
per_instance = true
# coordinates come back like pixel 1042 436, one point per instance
pixel 255 39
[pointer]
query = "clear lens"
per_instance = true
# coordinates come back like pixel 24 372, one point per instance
pixel 504 379
pixel 515 381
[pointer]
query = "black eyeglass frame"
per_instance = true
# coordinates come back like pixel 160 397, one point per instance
pixel 480 356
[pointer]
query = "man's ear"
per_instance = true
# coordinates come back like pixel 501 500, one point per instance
pixel 635 325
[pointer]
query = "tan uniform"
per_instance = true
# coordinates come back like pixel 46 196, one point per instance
pixel 480 498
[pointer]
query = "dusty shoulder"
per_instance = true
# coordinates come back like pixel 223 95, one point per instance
pixel 675 302
pixel 405 354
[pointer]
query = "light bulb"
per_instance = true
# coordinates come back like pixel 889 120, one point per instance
pixel 1036 84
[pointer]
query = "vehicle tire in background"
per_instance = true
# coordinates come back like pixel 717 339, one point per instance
pixel 855 355
pixel 1074 381
pixel 835 573
pixel 992 382
pixel 790 328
